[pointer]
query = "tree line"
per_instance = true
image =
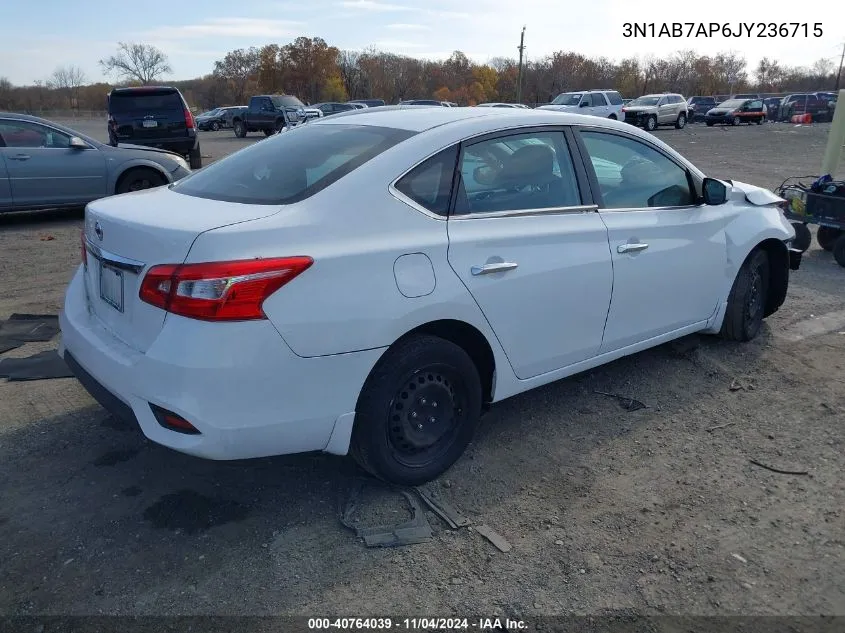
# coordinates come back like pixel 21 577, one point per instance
pixel 315 71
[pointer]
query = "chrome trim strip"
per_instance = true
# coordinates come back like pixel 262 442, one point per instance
pixel 116 261
pixel 635 209
pixel 401 197
pixel 586 208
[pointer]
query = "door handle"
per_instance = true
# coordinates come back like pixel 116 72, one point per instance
pixel 20 157
pixel 631 248
pixel 498 267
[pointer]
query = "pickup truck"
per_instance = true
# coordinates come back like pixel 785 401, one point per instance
pixel 269 114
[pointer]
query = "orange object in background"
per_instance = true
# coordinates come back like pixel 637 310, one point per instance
pixel 802 118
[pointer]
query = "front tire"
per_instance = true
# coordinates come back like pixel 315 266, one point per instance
pixel 747 300
pixel 417 412
pixel 827 236
pixel 681 122
pixel 215 126
pixel 839 251
pixel 139 179
pixel 240 129
pixel 803 237
pixel 650 123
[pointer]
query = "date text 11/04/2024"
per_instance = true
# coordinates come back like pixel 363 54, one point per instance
pixel 722 29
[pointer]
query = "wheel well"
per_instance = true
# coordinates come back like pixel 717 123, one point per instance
pixel 126 173
pixel 471 341
pixel 778 255
pixel 612 116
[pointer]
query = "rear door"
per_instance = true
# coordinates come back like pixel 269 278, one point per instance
pixel 533 255
pixel 147 114
pixel 43 169
pixel 600 107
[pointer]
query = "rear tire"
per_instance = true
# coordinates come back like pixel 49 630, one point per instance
pixel 195 158
pixel 827 236
pixel 681 122
pixel 803 237
pixel 417 412
pixel 747 300
pixel 240 128
pixel 269 132
pixel 709 123
pixel 612 117
pixel 839 251
pixel 761 120
pixel 138 179
pixel 736 121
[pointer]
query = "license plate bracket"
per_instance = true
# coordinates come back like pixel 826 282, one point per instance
pixel 111 286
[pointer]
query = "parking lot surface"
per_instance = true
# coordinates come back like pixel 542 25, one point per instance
pixel 657 510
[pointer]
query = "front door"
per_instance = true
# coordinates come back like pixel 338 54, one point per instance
pixel 44 169
pixel 669 253
pixel 534 258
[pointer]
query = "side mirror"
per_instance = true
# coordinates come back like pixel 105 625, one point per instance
pixel 715 192
pixel 78 143
pixel 583 104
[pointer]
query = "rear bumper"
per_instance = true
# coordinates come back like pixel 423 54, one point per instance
pixel 181 145
pixel 237 383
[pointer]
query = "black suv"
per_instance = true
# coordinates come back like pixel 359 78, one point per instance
pixel 697 107
pixel 154 116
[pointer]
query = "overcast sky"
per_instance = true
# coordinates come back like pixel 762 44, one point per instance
pixel 194 34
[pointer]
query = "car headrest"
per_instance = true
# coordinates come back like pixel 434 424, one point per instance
pixel 529 165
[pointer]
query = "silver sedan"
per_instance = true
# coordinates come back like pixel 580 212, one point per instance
pixel 44 165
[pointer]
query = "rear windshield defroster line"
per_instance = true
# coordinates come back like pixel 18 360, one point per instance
pixel 291 166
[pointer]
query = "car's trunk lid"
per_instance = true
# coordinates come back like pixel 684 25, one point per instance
pixel 148 114
pixel 128 234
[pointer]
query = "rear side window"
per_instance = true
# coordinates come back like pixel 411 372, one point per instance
pixel 121 102
pixel 293 166
pixel 429 184
pixel 614 97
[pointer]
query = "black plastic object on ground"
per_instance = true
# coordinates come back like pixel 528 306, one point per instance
pixel 27 328
pixel 38 367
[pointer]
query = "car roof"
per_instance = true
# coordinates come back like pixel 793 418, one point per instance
pixel 421 118
pixel 143 89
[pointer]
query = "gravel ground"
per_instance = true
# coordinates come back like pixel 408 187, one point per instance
pixel 657 510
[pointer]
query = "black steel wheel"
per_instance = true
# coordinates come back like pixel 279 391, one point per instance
pixel 747 300
pixel 417 411
pixel 826 236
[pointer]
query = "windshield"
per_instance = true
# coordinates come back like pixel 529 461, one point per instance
pixel 568 98
pixel 645 101
pixel 733 103
pixel 290 167
pixel 211 112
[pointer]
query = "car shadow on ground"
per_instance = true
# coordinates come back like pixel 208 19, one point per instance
pixel 41 219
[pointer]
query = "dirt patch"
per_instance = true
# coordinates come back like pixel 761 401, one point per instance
pixel 607 507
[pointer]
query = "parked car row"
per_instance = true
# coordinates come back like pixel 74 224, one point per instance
pixel 820 105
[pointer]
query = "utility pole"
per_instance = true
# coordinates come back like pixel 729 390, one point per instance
pixel 519 79
pixel 839 74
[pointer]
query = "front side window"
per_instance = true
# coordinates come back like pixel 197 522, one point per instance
pixel 587 101
pixel 517 172
pixel 290 167
pixel 429 184
pixel 27 134
pixel 633 175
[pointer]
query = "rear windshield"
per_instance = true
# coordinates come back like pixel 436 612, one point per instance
pixel 145 100
pixel 287 101
pixel 291 166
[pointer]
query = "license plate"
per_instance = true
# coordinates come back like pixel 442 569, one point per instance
pixel 150 123
pixel 111 286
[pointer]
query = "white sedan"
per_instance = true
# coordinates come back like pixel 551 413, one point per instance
pixel 369 285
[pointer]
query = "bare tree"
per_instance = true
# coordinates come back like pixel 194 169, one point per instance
pixel 68 80
pixel 350 72
pixel 143 63
pixel 6 89
pixel 238 67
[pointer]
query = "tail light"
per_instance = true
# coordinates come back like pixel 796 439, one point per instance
pixel 219 291
pixel 189 119
pixel 84 249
